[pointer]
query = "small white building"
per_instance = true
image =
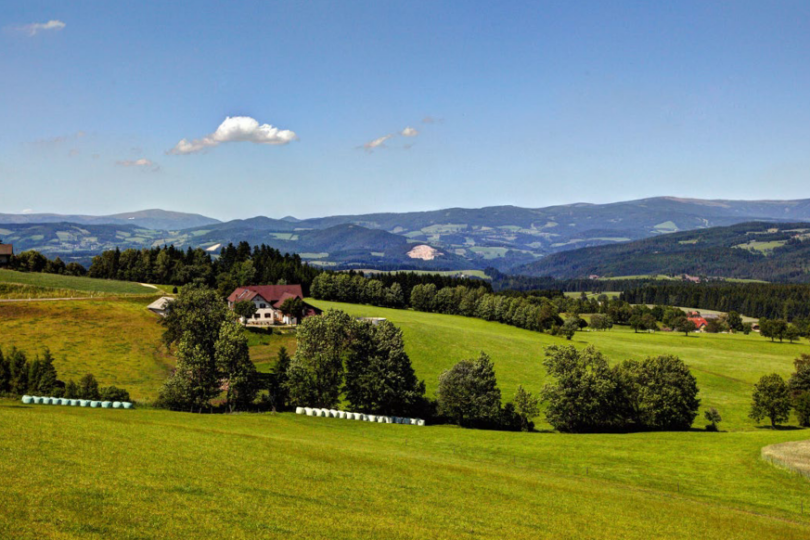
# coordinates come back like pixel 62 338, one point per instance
pixel 160 306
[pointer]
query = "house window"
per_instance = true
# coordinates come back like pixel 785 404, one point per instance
pixel 268 315
pixel 262 306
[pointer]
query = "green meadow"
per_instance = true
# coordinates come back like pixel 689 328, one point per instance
pixel 81 284
pixel 115 474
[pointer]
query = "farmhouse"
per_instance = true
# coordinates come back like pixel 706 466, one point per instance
pixel 268 300
pixel 700 322
pixel 6 251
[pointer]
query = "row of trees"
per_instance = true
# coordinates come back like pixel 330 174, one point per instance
pixel 588 395
pixel 773 397
pixel 20 375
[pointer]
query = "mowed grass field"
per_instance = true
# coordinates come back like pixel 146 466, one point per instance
pixel 725 365
pixel 114 474
pixel 88 286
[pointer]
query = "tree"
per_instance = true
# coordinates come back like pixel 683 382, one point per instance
pixel 197 314
pixel 277 382
pixel 713 417
pixel 246 310
pixel 601 322
pixel 771 400
pixel 18 371
pixel 316 372
pixel 47 374
pixel 683 324
pixel 72 390
pixel 379 375
pixel 773 328
pixel 112 393
pixel 792 333
pixel 569 327
pixel 801 404
pixel 663 392
pixel 586 394
pixel 468 393
pixel 5 374
pixel 734 321
pixel 648 322
pixel 232 359
pixel 294 307
pixel 636 323
pixel 527 407
pixel 800 380
pixel 88 388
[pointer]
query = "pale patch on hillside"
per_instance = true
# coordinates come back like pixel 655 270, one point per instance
pixel 426 253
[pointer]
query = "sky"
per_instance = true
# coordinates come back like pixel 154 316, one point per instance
pixel 314 108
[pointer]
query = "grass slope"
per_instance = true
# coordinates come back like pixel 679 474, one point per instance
pixel 726 366
pixel 90 474
pixel 82 284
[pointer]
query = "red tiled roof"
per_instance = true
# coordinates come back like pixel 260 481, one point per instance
pixel 6 249
pixel 284 297
pixel 699 321
pixel 270 293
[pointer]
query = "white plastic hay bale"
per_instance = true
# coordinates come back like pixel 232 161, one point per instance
pixel 358 416
pixel 84 403
pixel 420 422
pixel 323 413
pixel 380 419
pixel 341 415
pixel 299 410
pixel 127 404
pixel 333 413
pixel 28 400
pixel 395 420
pixel 63 401
pixel 95 404
pixel 413 421
pixel 307 411
pixel 37 400
pixel 116 405
pixel 372 418
pixel 74 402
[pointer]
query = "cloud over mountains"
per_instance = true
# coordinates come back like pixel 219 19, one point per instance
pixel 236 129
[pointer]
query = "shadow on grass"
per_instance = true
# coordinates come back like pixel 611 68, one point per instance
pixel 782 428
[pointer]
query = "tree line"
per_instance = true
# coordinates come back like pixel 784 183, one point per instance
pixel 774 398
pixel 21 375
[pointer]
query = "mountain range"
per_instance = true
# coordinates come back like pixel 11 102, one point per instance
pixel 504 237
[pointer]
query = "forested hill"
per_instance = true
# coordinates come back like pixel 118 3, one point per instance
pixel 765 251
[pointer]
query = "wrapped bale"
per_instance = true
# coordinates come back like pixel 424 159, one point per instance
pixel 63 401
pixel 420 422
pixel 333 413
pixel 323 413
pixel 395 420
pixel 308 411
pixel 372 418
pixel 84 403
pixel 341 414
pixel 116 405
pixel 126 404
pixel 380 419
pixel 74 402
pixel 299 410
pixel 358 416
pixel 95 404
pixel 413 421
pixel 27 400
pixel 37 400
pixel 106 405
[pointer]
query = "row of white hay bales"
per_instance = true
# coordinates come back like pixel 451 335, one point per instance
pixel 36 400
pixel 380 419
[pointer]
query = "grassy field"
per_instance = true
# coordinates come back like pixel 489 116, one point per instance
pixel 82 284
pixel 725 365
pixel 82 473
pixel 79 473
pixel 117 340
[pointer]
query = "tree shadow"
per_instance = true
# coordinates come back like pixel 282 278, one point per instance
pixel 782 428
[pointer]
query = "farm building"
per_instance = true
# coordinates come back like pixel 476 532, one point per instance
pixel 6 251
pixel 700 323
pixel 268 300
pixel 160 306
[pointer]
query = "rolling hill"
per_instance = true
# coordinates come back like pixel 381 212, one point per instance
pixel 764 251
pixel 502 237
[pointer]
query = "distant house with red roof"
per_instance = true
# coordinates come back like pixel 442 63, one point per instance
pixel 268 300
pixel 700 322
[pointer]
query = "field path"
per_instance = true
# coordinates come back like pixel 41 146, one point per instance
pixel 148 285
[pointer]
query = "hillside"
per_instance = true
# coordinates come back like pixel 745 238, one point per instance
pixel 761 251
pixel 502 237
pixel 150 219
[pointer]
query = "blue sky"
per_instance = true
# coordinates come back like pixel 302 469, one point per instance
pixel 532 104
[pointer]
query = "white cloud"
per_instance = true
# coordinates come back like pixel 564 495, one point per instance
pixel 27 211
pixel 141 163
pixel 35 28
pixel 236 129
pixel 376 143
pixel 409 132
